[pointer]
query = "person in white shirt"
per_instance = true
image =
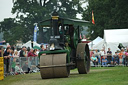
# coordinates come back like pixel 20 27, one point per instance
pixel 97 54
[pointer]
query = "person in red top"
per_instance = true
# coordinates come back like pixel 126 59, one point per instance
pixel 30 53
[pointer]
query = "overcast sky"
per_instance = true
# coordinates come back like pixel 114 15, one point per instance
pixel 6 7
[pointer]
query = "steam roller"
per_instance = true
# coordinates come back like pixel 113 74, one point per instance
pixel 64 50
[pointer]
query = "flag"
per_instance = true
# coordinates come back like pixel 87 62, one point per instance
pixel 93 18
pixel 35 33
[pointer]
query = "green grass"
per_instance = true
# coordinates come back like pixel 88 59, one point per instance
pixel 97 76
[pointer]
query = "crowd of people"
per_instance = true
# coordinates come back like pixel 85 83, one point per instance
pixel 106 58
pixel 11 53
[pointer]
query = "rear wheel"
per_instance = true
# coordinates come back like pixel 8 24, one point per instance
pixel 83 58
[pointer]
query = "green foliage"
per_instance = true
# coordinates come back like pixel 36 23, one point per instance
pixel 12 31
pixel 108 14
pixel 7 24
pixel 44 8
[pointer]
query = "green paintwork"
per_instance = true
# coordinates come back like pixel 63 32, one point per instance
pixel 53 52
pixel 68 53
pixel 74 22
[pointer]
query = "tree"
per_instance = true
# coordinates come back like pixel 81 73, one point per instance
pixel 12 31
pixel 44 8
pixel 108 14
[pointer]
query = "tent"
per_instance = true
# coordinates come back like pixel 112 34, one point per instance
pixel 113 37
pixel 100 45
pixel 94 42
pixel 28 44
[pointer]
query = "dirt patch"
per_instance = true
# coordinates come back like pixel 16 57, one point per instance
pixel 92 70
pixel 100 70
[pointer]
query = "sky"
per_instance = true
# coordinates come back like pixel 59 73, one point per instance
pixel 79 15
pixel 6 7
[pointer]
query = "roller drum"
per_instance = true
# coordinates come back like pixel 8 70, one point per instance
pixel 55 66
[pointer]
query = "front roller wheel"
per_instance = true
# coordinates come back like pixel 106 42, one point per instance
pixel 54 66
pixel 83 58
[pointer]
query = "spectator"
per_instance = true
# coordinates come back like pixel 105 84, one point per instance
pixel 121 54
pixel 102 53
pixel 42 48
pixel 91 53
pixel 126 54
pixel 116 59
pixel 8 46
pixel 16 53
pixel 12 59
pixel 97 54
pixel 124 57
pixel 35 62
pixel 30 53
pixel 13 64
pixel 7 58
pixel 28 49
pixel 11 53
pixel 26 68
pixel 35 52
pixel 23 52
pixel 104 61
pixel 94 60
pixel 18 69
pixel 13 47
pixel 109 56
pixel 23 55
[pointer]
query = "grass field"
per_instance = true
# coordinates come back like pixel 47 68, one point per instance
pixel 97 76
